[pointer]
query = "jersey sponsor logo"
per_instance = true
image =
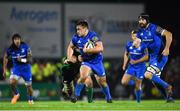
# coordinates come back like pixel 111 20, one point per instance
pixel 147 40
pixel 136 53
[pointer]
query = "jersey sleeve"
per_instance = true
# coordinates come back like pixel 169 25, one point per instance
pixel 138 35
pixel 73 40
pixel 95 38
pixel 127 47
pixel 29 50
pixel 8 52
pixel 157 29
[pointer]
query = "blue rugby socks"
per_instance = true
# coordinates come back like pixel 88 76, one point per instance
pixel 138 95
pixel 78 89
pixel 158 80
pixel 106 92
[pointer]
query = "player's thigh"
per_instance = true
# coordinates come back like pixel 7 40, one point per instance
pixel 101 79
pixel 84 71
pixel 162 62
pixel 98 69
pixel 27 76
pixel 140 71
pixel 158 63
pixel 15 76
pixel 125 79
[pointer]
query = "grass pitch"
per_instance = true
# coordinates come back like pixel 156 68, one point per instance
pixel 96 105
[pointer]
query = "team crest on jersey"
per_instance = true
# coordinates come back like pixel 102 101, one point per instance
pixel 131 47
pixel 141 34
pixel 95 39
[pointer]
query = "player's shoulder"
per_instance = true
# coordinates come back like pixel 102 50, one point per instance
pixel 129 43
pixel 93 36
pixel 92 33
pixel 75 38
pixel 152 26
pixel 9 49
pixel 24 45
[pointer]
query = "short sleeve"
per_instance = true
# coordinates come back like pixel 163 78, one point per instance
pixel 127 47
pixel 8 52
pixel 73 40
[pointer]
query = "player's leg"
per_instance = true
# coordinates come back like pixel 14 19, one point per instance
pixel 139 75
pixel 105 88
pixel 155 68
pixel 154 78
pixel 101 79
pixel 126 78
pixel 30 93
pixel 13 82
pixel 89 89
pixel 138 90
pixel 85 70
pixel 68 74
pixel 27 76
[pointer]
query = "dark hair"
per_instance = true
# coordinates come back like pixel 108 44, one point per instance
pixel 16 35
pixel 83 23
pixel 144 16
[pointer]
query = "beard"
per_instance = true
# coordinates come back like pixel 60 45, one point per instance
pixel 142 25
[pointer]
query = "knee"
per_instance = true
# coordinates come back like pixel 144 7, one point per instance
pixel 103 83
pixel 124 82
pixel 89 83
pixel 12 82
pixel 148 75
pixel 82 79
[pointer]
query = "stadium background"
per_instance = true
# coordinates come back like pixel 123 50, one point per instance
pixel 49 41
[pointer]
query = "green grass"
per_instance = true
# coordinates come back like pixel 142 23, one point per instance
pixel 97 105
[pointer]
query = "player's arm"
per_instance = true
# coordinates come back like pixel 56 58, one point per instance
pixel 168 37
pixel 29 56
pixel 98 48
pixel 28 59
pixel 69 53
pixel 143 59
pixel 125 61
pixel 5 61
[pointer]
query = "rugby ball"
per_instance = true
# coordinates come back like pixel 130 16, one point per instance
pixel 90 45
